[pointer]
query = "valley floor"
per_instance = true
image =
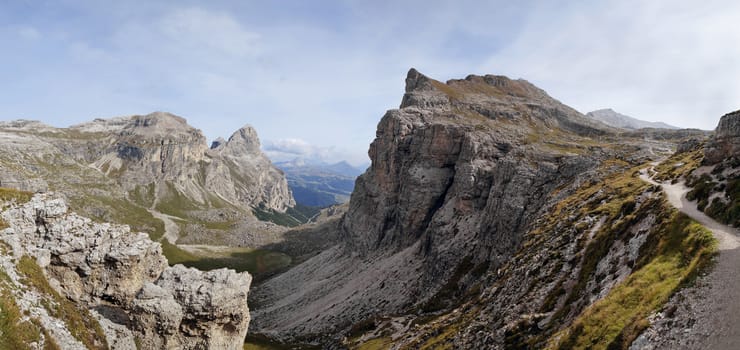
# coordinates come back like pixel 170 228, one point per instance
pixel 707 314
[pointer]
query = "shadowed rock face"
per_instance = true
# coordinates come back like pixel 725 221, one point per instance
pixel 456 172
pixel 726 141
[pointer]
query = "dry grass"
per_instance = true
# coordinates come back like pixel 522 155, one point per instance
pixel 78 320
pixel 683 248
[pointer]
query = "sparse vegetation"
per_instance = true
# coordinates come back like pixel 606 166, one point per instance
pixel 17 331
pixel 78 320
pixel 725 207
pixel 681 248
pixel 13 195
pixel 679 165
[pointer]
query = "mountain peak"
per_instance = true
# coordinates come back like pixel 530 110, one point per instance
pixel 244 140
pixel 219 142
pixel 415 81
pixel 159 119
pixel 609 117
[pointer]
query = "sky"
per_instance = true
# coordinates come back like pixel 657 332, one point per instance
pixel 315 77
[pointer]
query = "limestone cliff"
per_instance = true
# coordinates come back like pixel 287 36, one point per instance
pixel 142 170
pixel 726 140
pixel 162 148
pixel 457 174
pixel 492 216
pixel 120 276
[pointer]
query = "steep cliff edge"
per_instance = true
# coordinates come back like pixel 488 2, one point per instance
pixel 491 216
pixel 89 285
pixel 458 173
pixel 726 140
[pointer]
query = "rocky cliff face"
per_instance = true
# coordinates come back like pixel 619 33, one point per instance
pixel 124 277
pixel 161 148
pixel 141 170
pixel 726 141
pixel 241 173
pixel 457 174
pixel 492 217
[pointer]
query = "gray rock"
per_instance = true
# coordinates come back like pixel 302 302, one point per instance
pixel 725 143
pixel 617 120
pixel 447 190
pixel 689 145
pixel 183 298
pixel 106 265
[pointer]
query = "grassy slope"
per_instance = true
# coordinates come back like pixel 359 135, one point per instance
pixel 18 331
pixel 614 322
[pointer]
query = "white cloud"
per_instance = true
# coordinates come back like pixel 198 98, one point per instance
pixel 292 148
pixel 29 33
pixel 197 29
pixel 656 60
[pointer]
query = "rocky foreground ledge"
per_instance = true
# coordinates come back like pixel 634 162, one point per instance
pixel 122 278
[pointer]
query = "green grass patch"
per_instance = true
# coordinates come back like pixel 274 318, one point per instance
pixel 16 330
pixel 79 321
pixel 143 195
pixel 282 219
pixel 108 209
pixel 682 247
pixel 258 262
pixel 376 344
pixel 175 203
pixel 679 165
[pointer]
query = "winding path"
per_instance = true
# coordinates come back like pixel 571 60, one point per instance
pixel 726 236
pixel 171 230
pixel 709 312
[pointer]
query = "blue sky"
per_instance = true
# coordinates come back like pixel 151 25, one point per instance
pixel 315 77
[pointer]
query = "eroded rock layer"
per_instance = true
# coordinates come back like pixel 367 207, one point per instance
pixel 123 274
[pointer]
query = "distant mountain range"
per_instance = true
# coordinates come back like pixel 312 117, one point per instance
pixel 319 184
pixel 617 120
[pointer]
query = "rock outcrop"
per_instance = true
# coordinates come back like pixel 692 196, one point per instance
pixel 105 265
pixel 189 309
pixel 726 140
